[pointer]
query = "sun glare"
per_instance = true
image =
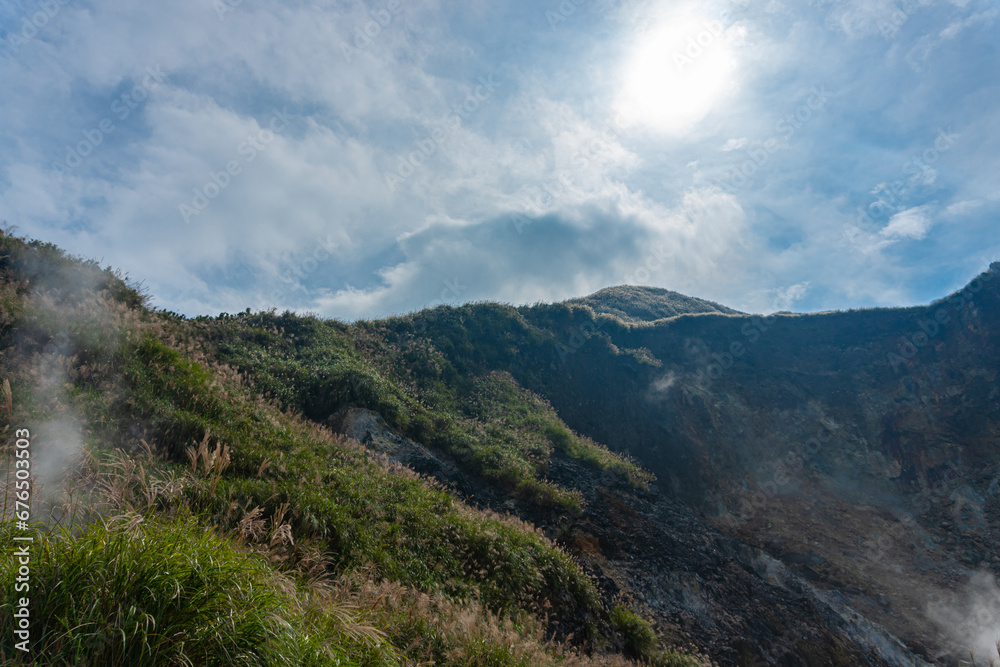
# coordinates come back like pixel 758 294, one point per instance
pixel 680 70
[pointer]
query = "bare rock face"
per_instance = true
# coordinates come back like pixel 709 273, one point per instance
pixel 365 426
pixel 701 586
pixel 370 429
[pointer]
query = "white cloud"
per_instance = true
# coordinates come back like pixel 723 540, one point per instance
pixel 558 256
pixel 539 146
pixel 927 44
pixel 771 300
pixel 786 298
pixel 956 27
pixel 964 207
pixel 913 223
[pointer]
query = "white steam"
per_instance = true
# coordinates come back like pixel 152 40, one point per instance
pixel 57 448
pixel 664 383
pixel 972 618
pixel 68 309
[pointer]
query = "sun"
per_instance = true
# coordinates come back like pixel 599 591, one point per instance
pixel 680 70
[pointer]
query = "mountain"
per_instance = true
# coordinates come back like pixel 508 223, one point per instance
pixel 857 449
pixel 646 304
pixel 636 474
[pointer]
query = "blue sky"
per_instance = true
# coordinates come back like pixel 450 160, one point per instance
pixel 362 159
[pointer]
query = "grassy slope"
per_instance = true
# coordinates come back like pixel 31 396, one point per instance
pixel 491 426
pixel 240 490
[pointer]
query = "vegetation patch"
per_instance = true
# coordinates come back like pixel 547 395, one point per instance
pixel 211 519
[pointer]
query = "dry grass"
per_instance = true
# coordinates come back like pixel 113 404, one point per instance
pixel 433 630
pixel 359 609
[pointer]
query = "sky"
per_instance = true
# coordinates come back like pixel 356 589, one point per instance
pixel 358 160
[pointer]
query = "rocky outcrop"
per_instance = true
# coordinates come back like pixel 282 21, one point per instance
pixel 699 586
pixel 370 429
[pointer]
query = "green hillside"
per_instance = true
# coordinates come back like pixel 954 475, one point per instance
pixel 209 517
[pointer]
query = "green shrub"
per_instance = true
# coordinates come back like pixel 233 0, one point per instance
pixel 640 640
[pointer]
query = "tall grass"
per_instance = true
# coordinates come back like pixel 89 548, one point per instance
pixel 146 582
pixel 140 592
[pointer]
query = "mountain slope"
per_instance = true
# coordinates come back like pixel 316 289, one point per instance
pixel 179 517
pixel 704 401
pixel 859 447
pixel 785 490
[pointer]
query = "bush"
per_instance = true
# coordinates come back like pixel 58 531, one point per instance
pixel 640 640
